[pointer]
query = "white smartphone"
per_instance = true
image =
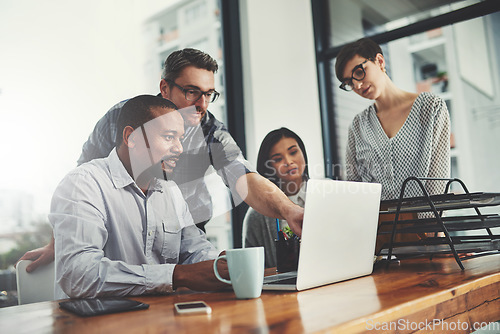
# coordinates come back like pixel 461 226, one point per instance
pixel 197 307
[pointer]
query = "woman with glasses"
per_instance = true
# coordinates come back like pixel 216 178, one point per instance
pixel 282 159
pixel 401 134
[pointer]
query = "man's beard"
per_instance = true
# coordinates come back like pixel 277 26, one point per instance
pixel 156 171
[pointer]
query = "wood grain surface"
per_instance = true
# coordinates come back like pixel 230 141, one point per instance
pixel 405 296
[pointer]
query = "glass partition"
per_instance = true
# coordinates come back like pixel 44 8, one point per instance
pixel 350 20
pixel 456 62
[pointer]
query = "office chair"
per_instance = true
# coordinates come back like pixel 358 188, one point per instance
pixel 37 286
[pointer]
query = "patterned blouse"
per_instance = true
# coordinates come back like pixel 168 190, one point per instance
pixel 421 148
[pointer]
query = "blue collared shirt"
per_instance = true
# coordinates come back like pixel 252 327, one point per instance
pixel 112 239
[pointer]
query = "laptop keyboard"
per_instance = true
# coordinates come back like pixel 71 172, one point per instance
pixel 288 281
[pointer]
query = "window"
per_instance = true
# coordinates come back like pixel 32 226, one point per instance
pixel 196 24
pixel 447 47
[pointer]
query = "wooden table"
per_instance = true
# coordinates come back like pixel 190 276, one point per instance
pixel 406 298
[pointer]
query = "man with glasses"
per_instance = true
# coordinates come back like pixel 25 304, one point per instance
pixel 188 81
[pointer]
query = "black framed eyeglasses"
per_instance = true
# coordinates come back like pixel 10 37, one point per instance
pixel 358 74
pixel 193 95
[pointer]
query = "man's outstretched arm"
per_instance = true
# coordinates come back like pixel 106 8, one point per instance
pixel 266 198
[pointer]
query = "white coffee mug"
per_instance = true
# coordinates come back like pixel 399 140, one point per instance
pixel 246 271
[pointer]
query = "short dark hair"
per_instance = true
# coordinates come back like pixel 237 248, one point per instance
pixel 265 148
pixel 137 111
pixel 178 60
pixel 363 47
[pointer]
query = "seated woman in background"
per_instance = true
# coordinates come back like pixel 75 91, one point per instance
pixel 282 159
pixel 402 134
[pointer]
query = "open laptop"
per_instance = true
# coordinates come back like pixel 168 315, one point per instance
pixel 338 235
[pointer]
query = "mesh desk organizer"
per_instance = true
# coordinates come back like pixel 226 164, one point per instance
pixel 434 222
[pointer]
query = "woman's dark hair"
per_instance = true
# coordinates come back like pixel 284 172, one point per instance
pixel 137 111
pixel 265 148
pixel 363 47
